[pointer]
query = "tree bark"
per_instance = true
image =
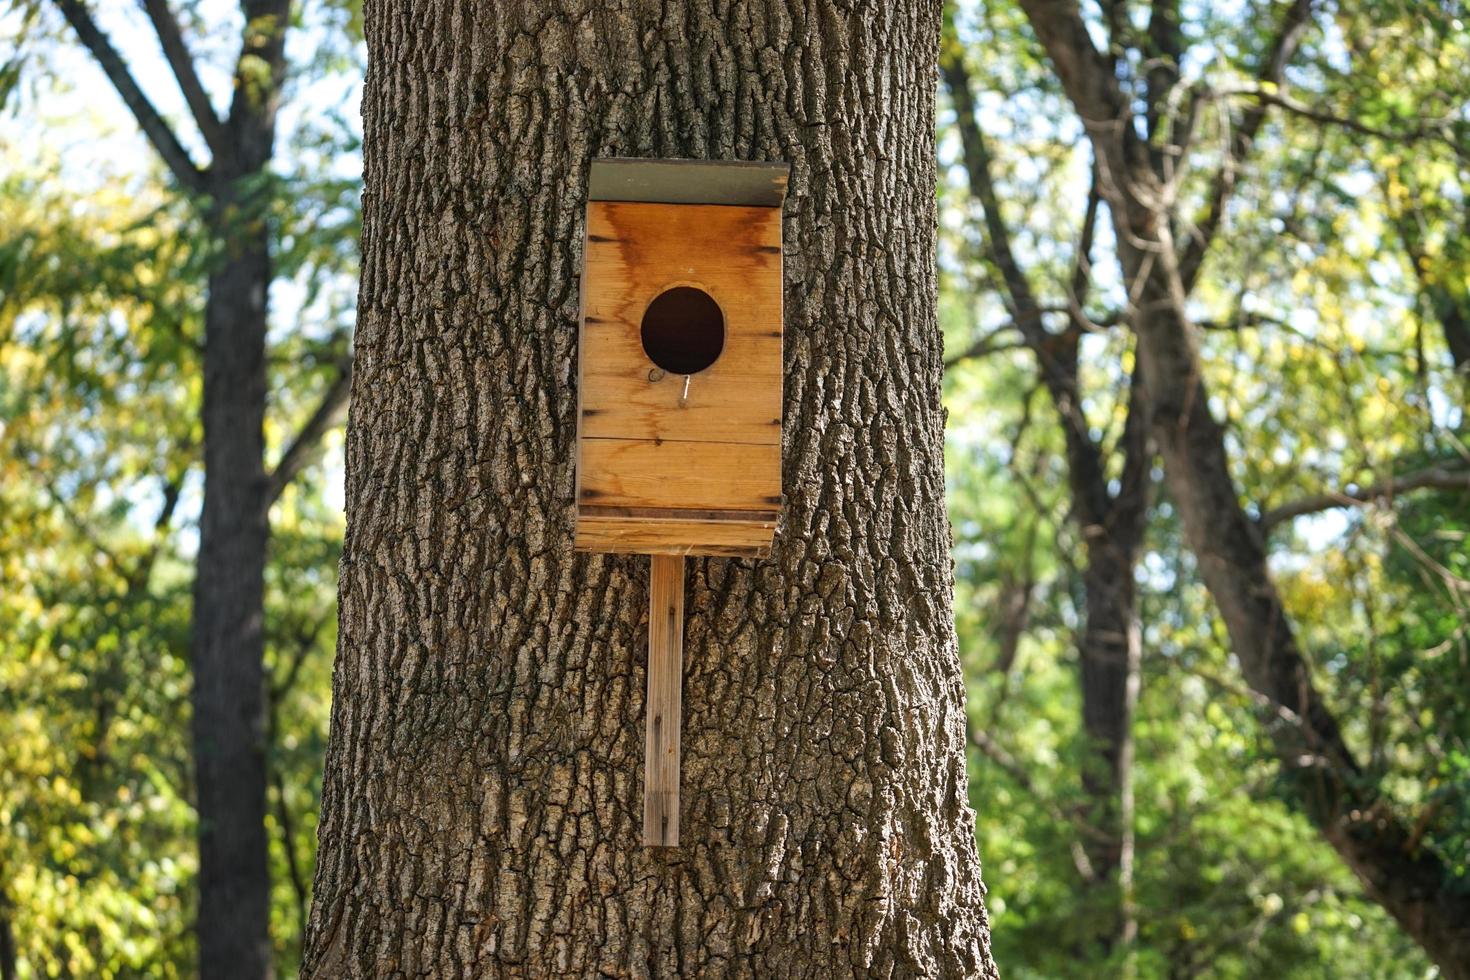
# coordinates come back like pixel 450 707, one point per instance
pixel 228 638
pixel 8 954
pixel 481 809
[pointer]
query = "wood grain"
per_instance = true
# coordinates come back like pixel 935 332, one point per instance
pixel 680 475
pixel 663 709
pixel 644 535
pixel 633 253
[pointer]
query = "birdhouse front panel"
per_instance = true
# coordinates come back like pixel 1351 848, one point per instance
pixel 679 364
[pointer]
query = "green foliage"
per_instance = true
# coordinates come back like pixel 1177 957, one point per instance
pixel 1326 360
pixel 102 278
pixel 1343 251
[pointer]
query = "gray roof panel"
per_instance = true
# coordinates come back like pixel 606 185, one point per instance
pixel 744 183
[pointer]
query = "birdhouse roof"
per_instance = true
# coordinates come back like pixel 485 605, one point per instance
pixel 742 183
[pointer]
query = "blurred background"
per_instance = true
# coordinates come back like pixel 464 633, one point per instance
pixel 1132 817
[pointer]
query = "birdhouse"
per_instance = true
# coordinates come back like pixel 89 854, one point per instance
pixel 678 398
pixel 679 386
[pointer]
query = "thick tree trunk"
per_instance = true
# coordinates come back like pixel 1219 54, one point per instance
pixel 229 682
pixel 481 810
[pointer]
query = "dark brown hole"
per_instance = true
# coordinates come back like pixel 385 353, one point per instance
pixel 683 330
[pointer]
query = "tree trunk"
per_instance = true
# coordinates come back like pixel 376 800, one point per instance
pixel 1111 524
pixel 1351 811
pixel 230 710
pixel 481 806
pixel 228 645
pixel 8 953
pixel 1108 652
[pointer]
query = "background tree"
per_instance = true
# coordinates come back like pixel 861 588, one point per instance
pixel 479 814
pixel 156 333
pixel 1109 488
pixel 1179 120
pixel 1324 340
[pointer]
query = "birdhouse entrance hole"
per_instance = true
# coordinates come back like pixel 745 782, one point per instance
pixel 683 330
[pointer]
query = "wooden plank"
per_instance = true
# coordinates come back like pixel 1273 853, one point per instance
pixel 643 535
pixel 679 475
pixel 724 403
pixel 634 252
pixel 663 709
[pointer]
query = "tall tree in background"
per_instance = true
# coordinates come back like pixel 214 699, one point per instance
pixel 233 194
pixel 1109 491
pixel 479 811
pixel 1141 168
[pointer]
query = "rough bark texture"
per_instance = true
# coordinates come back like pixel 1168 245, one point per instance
pixel 1351 811
pixel 481 808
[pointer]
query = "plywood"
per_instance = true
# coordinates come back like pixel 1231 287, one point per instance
pixel 663 708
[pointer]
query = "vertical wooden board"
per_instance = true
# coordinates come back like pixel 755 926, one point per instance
pixel 663 709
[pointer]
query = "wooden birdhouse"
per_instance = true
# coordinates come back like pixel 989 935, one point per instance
pixel 678 397
pixel 679 387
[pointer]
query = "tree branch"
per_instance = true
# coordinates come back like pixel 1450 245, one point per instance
pixel 299 451
pixel 288 844
pixel 1442 129
pixel 1082 261
pixel 171 39
pixel 988 344
pixel 1283 49
pixel 1008 764
pixel 977 168
pixel 1056 353
pixel 175 157
pixel 143 568
pixel 1089 79
pixel 252 116
pixel 1437 478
